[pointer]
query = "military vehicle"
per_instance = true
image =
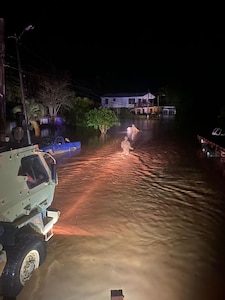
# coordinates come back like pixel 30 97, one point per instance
pixel 28 179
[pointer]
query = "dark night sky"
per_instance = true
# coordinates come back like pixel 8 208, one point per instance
pixel 134 48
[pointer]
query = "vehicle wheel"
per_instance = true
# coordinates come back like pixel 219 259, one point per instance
pixel 73 148
pixel 22 259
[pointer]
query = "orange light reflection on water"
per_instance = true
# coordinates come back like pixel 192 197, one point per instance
pixel 116 162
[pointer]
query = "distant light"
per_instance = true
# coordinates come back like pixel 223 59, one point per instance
pixel 29 27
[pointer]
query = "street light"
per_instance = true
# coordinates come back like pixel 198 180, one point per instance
pixel 17 39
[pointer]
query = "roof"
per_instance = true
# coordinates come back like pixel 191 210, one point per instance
pixel 125 94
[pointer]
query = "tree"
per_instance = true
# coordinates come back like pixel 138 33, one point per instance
pixel 35 111
pixel 102 118
pixel 79 107
pixel 54 95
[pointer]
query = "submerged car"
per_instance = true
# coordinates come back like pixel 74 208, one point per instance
pixel 218 132
pixel 58 144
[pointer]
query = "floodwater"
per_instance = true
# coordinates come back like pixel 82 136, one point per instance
pixel 151 223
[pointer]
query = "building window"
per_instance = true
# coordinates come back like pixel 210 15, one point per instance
pixel 106 101
pixel 131 101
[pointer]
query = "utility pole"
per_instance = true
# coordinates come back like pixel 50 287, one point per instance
pixel 2 79
pixel 17 39
pixel 22 91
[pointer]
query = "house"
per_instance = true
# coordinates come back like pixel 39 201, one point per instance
pixel 139 103
pixel 116 101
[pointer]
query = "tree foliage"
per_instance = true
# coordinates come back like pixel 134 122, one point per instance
pixel 102 118
pixel 35 111
pixel 54 95
pixel 79 107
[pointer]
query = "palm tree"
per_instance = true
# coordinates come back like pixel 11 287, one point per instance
pixel 55 94
pixel 35 111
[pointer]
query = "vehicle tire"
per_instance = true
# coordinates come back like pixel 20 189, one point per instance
pixel 22 259
pixel 73 149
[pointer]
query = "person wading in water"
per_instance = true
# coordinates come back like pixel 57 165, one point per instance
pixel 126 146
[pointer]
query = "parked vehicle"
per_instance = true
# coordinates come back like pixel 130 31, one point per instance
pixel 58 144
pixel 28 178
pixel 210 151
pixel 218 132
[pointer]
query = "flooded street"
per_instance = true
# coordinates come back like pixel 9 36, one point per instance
pixel 151 223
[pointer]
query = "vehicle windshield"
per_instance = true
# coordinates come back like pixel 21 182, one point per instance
pixel 32 167
pixel 47 141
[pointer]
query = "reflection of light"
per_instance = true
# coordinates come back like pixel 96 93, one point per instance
pixel 71 230
pixel 117 162
pixel 45 132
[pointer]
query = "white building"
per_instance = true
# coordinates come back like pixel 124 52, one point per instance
pixel 127 100
pixel 139 103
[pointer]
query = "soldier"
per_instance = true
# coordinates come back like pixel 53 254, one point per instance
pixel 126 146
pixel 132 131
